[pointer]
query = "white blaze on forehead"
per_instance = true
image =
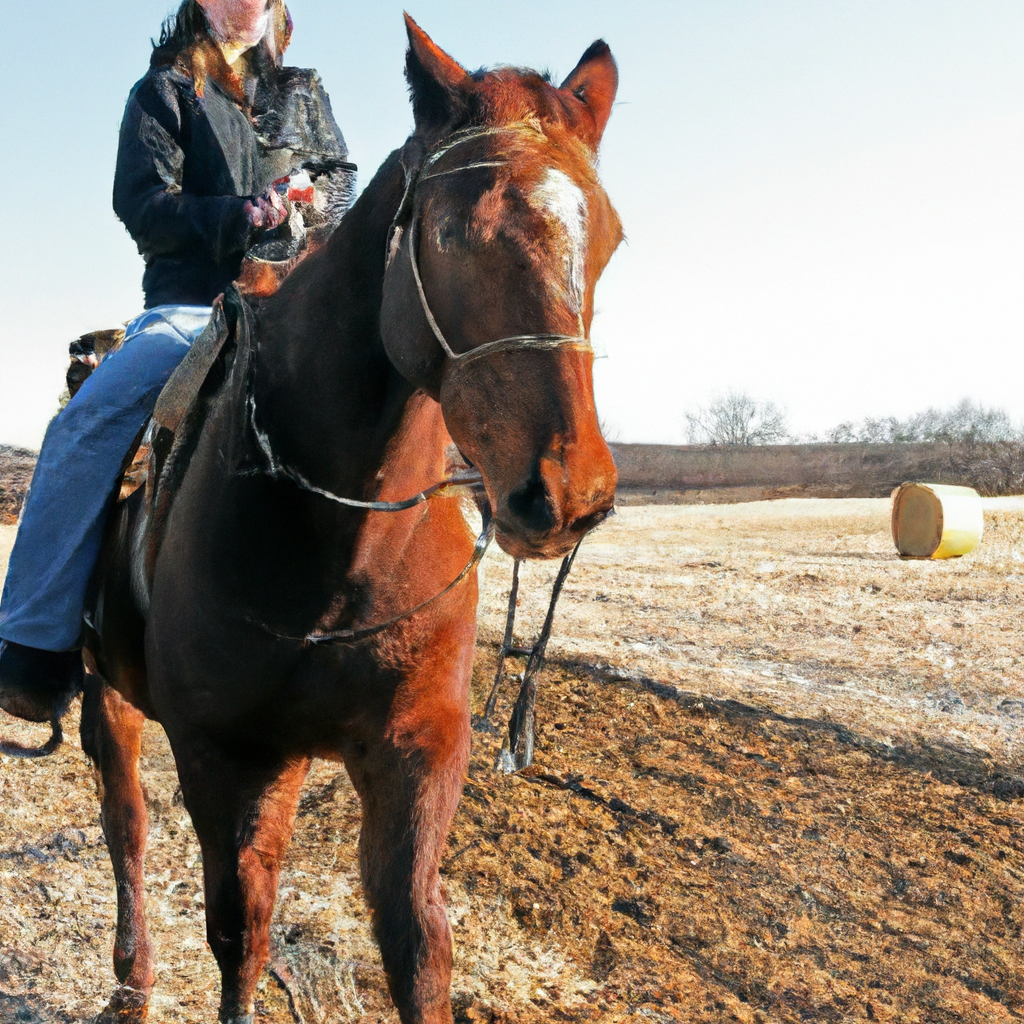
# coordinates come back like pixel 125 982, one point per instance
pixel 561 199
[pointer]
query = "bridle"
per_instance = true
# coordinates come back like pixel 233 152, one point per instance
pixel 407 215
pixel 407 210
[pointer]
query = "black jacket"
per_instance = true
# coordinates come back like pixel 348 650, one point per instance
pixel 188 161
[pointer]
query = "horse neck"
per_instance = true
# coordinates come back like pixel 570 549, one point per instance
pixel 327 398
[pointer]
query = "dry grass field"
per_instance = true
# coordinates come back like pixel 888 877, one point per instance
pixel 776 781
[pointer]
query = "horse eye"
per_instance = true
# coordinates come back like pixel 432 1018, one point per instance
pixel 447 233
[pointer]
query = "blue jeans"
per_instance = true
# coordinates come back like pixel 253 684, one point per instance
pixel 61 526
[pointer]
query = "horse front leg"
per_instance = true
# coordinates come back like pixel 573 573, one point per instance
pixel 112 737
pixel 243 816
pixel 409 782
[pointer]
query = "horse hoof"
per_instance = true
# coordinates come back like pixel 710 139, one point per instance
pixel 114 1015
pixel 127 1006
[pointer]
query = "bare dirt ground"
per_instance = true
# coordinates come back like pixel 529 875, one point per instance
pixel 16 466
pixel 776 781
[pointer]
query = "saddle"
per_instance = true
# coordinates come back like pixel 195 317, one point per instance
pixel 264 269
pixel 179 395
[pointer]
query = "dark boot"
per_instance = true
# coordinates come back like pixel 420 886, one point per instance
pixel 38 685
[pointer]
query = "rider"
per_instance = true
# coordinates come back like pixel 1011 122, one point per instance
pixel 194 187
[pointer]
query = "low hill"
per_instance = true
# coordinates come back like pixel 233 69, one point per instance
pixel 660 474
pixel 719 474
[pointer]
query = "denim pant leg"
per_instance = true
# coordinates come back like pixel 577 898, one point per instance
pixel 62 523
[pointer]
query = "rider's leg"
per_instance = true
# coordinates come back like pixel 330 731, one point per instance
pixel 62 523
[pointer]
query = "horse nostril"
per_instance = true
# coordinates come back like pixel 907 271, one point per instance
pixel 531 504
pixel 587 523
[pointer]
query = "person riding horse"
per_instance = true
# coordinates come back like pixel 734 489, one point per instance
pixel 208 135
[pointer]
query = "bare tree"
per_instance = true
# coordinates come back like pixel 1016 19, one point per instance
pixel 844 433
pixel 736 418
pixel 968 423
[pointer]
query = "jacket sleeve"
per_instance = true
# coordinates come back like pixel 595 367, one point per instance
pixel 148 197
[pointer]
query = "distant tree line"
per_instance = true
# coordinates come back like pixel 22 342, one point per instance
pixel 966 422
pixel 982 446
pixel 737 418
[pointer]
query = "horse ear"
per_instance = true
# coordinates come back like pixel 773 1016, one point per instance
pixel 594 82
pixel 436 81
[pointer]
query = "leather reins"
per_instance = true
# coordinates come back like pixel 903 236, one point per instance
pixel 517 749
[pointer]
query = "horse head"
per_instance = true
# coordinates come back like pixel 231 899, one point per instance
pixel 489 294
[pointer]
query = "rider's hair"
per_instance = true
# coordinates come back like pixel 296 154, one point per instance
pixel 178 32
pixel 190 24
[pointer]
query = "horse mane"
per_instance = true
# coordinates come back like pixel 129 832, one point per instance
pixel 513 69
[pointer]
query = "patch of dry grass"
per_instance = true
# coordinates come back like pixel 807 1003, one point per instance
pixel 802 606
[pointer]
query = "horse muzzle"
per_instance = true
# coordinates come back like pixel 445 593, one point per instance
pixel 526 420
pixel 548 511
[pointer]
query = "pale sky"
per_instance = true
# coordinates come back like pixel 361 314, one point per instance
pixel 824 199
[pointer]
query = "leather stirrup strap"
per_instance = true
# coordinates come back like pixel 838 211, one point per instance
pixel 181 390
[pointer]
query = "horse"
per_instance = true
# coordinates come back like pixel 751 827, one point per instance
pixel 292 602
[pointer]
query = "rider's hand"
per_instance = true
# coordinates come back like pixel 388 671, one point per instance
pixel 267 211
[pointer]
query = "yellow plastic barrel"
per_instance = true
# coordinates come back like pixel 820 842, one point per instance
pixel 936 520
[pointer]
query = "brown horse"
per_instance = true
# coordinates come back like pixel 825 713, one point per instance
pixel 452 304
